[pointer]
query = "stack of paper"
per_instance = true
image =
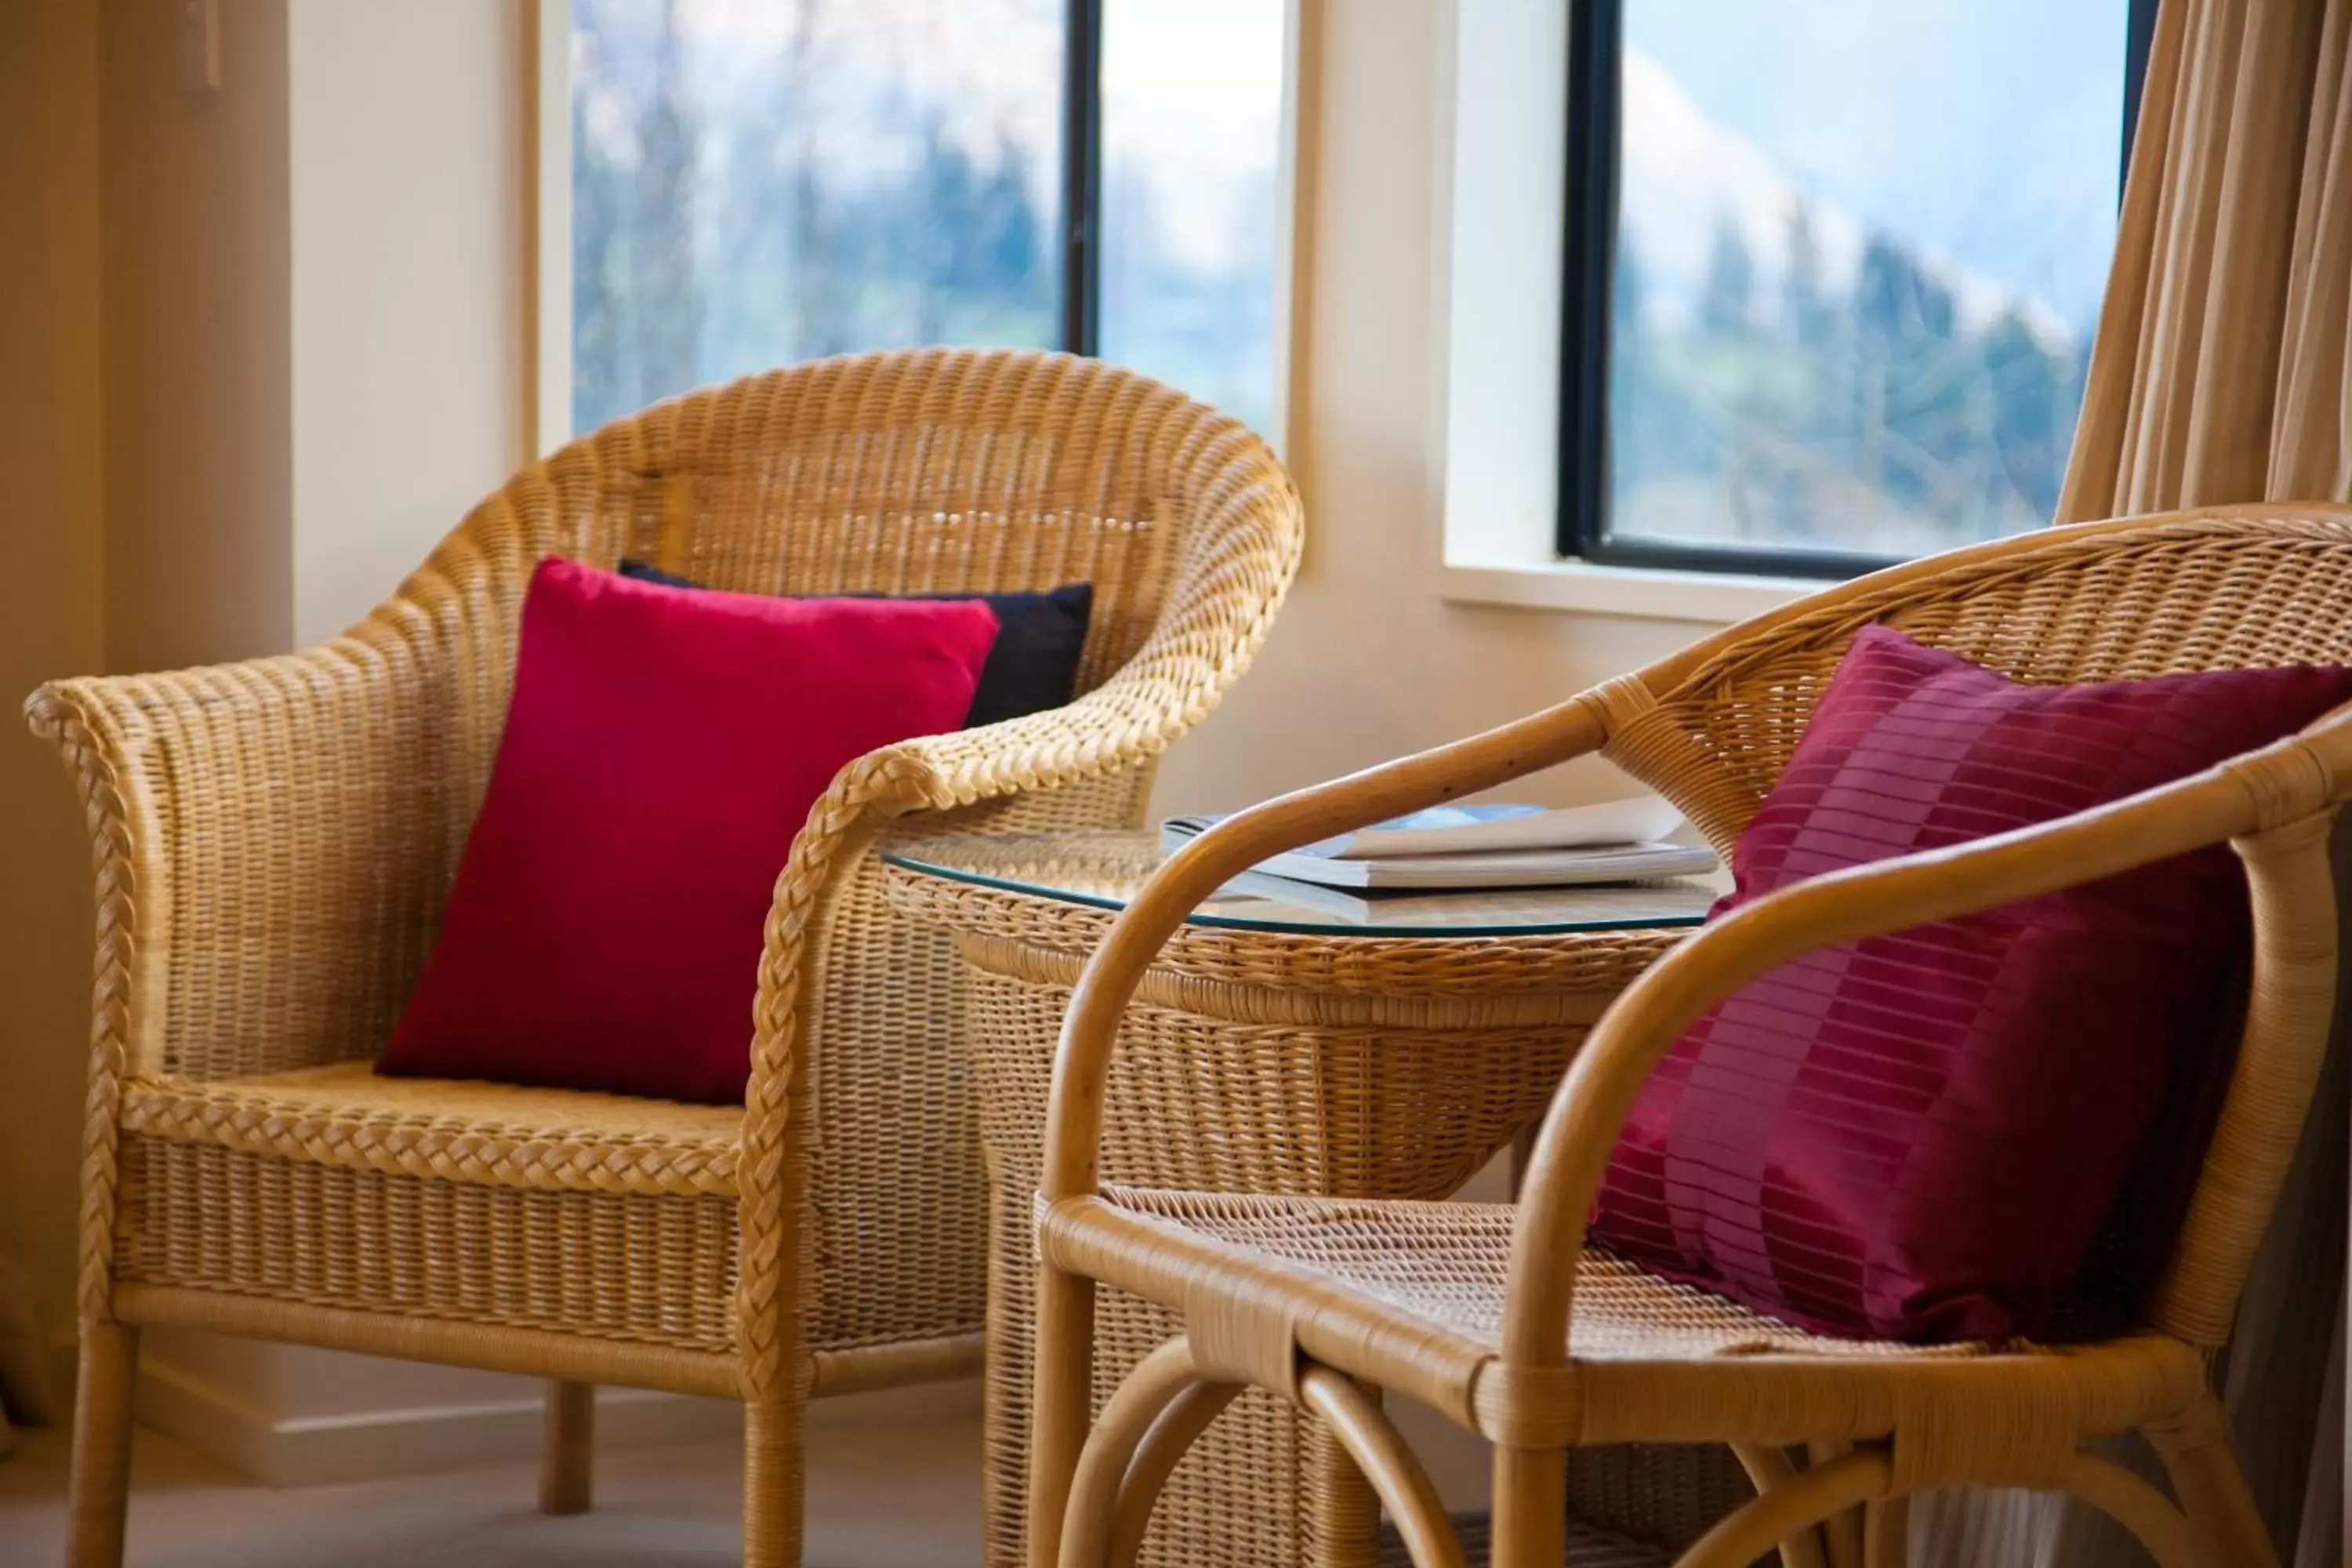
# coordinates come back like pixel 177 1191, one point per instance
pixel 1465 847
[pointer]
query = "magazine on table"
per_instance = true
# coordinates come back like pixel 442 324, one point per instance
pixel 1464 847
pixel 1676 902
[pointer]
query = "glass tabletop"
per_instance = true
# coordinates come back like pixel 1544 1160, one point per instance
pixel 1104 871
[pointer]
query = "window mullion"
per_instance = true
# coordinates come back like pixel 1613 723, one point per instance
pixel 1082 177
pixel 1588 243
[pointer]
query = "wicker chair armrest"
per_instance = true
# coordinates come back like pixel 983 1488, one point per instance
pixel 276 783
pixel 1121 725
pixel 1124 722
pixel 1221 608
pixel 2290 782
pixel 1219 613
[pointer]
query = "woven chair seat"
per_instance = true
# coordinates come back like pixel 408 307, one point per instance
pixel 1415 1294
pixel 495 1134
pixel 1443 1265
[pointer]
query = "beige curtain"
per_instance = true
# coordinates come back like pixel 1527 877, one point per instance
pixel 2219 370
pixel 2220 374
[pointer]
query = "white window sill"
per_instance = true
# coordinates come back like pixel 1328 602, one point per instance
pixel 1635 593
pixel 1498 297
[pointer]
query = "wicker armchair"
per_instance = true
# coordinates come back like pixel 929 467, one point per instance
pixel 1495 1315
pixel 274 839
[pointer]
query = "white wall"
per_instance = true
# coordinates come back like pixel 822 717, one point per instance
pixel 409 300
pixel 197 424
pixel 1366 653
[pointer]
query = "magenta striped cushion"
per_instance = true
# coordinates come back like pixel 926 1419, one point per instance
pixel 1920 1136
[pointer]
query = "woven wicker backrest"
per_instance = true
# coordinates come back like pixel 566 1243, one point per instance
pixel 2228 589
pixel 911 471
pixel 2231 587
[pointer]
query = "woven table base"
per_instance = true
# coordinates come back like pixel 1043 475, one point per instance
pixel 1304 1065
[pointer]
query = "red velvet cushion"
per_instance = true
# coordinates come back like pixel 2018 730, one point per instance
pixel 662 749
pixel 1919 1136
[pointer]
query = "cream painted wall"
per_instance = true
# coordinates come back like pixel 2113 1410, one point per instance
pixel 198 421
pixel 409 392
pixel 1366 661
pixel 51 619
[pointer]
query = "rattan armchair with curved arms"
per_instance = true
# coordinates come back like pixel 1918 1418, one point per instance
pixel 1496 1315
pixel 274 839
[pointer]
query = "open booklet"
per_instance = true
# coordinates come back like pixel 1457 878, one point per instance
pixel 1452 846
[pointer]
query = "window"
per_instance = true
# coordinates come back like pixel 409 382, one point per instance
pixel 1833 271
pixel 756 181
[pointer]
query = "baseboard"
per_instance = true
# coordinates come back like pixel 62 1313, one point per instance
pixel 376 1444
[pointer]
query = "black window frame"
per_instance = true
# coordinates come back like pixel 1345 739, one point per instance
pixel 1595 65
pixel 1081 249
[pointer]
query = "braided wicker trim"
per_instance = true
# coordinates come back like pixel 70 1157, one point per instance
pixel 438 1147
pixel 87 756
pixel 473 1339
pixel 778 1232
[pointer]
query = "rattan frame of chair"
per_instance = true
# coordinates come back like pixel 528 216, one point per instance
pixel 273 840
pixel 1711 726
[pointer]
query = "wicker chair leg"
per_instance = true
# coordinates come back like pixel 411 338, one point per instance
pixel 1770 1470
pixel 1886 1533
pixel 1170 1436
pixel 1791 1509
pixel 1157 1381
pixel 1059 1411
pixel 1363 1429
pixel 772 1485
pixel 98 1489
pixel 1841 1533
pixel 567 1448
pixel 1530 1507
pixel 2212 1490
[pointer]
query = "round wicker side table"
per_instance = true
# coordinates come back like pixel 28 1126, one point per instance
pixel 1274 1048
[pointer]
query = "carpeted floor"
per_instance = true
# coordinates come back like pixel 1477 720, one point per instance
pixel 880 1496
